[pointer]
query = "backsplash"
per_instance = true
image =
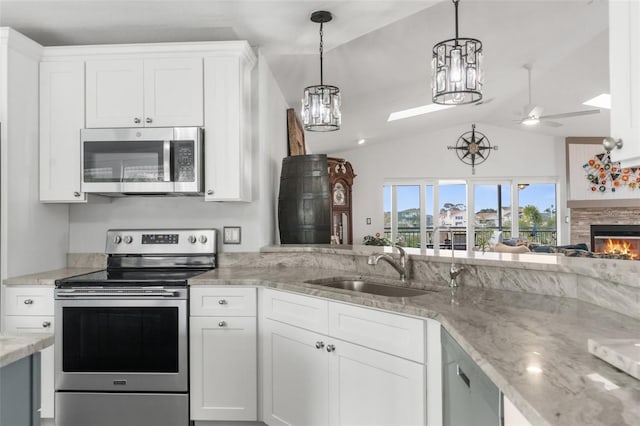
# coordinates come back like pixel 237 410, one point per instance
pixel 608 283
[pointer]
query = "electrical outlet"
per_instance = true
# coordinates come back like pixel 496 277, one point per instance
pixel 231 235
pixel 368 221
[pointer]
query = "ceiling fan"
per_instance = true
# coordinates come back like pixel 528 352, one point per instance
pixel 532 114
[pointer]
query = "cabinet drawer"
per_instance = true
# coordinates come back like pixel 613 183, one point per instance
pixel 28 324
pixel 28 301
pixel 390 333
pixel 223 301
pixel 300 311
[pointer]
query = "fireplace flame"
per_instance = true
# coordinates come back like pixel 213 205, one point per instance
pixel 621 247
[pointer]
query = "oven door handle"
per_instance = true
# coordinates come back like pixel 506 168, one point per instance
pixel 117 293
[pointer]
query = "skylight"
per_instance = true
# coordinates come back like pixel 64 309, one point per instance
pixel 601 101
pixel 412 112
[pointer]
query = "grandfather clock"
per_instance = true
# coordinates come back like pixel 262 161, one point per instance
pixel 340 182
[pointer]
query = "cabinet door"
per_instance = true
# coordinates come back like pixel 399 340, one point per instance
pixel 624 43
pixel 173 92
pixel 223 368
pixel 61 118
pixel 114 93
pixel 296 384
pixel 15 324
pixel 367 387
pixel 227 100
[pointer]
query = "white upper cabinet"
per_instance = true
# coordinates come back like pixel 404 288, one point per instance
pixel 228 126
pixel 61 118
pixel 624 63
pixel 144 93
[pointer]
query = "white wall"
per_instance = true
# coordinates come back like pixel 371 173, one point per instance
pixel 520 155
pixel 34 235
pixel 88 223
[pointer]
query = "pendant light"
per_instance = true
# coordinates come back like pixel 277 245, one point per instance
pixel 457 76
pixel 321 103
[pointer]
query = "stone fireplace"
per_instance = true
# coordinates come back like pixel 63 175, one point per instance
pixel 621 225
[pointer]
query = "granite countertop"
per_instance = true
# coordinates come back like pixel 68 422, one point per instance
pixel 533 347
pixel 48 277
pixel 16 347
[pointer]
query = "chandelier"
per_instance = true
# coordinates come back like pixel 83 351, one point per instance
pixel 456 66
pixel 321 103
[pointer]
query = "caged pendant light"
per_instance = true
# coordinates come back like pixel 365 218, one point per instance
pixel 456 66
pixel 321 103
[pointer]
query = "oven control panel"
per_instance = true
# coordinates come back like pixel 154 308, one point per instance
pixel 161 241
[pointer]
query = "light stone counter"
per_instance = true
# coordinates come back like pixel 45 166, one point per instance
pixel 16 347
pixel 533 347
pixel 532 341
pixel 48 278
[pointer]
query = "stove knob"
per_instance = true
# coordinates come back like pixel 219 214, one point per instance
pixel 128 239
pixel 117 239
pixel 192 239
pixel 203 239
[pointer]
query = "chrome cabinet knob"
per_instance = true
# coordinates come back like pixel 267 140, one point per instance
pixel 76 194
pixel 210 192
pixel 222 302
pixel 117 239
pixel 128 239
pixel 149 120
pixel 28 301
pixel 222 324
pixel 46 324
pixel 319 344
pixel 203 239
pixel 192 239
pixel 136 120
pixel 331 348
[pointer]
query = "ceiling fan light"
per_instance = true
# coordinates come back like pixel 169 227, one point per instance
pixel 530 121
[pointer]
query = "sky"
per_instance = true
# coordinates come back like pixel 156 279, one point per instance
pixel 486 196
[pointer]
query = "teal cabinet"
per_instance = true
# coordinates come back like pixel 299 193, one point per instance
pixel 20 392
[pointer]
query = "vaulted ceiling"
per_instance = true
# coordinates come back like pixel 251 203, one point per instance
pixel 377 52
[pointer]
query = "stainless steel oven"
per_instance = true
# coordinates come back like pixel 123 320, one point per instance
pixel 142 160
pixel 121 356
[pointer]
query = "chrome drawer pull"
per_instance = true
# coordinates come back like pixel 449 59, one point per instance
pixel 46 324
pixel 319 344
pixel 222 302
pixel 28 301
pixel 331 348
pixel 222 324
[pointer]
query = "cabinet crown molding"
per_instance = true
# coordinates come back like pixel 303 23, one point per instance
pixel 239 48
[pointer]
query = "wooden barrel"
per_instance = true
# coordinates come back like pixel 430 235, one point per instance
pixel 304 211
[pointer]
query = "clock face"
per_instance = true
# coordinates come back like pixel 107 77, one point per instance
pixel 339 198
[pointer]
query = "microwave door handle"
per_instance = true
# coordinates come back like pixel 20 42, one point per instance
pixel 167 161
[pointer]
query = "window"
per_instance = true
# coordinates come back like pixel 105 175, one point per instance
pixel 429 214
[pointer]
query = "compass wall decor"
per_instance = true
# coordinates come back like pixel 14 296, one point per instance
pixel 473 148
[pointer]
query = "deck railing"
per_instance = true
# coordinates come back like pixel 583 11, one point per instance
pixel 410 236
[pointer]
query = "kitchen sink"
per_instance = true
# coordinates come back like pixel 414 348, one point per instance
pixel 370 286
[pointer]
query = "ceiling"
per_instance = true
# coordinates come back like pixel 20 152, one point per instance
pixel 377 52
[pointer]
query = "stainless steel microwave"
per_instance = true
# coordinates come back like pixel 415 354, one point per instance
pixel 150 161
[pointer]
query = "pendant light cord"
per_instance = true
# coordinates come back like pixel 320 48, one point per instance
pixel 455 3
pixel 321 52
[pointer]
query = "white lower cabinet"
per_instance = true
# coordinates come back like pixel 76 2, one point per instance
pixel 317 379
pixel 29 309
pixel 223 366
pixel 296 376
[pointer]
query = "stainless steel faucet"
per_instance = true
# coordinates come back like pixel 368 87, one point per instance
pixel 454 271
pixel 401 267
